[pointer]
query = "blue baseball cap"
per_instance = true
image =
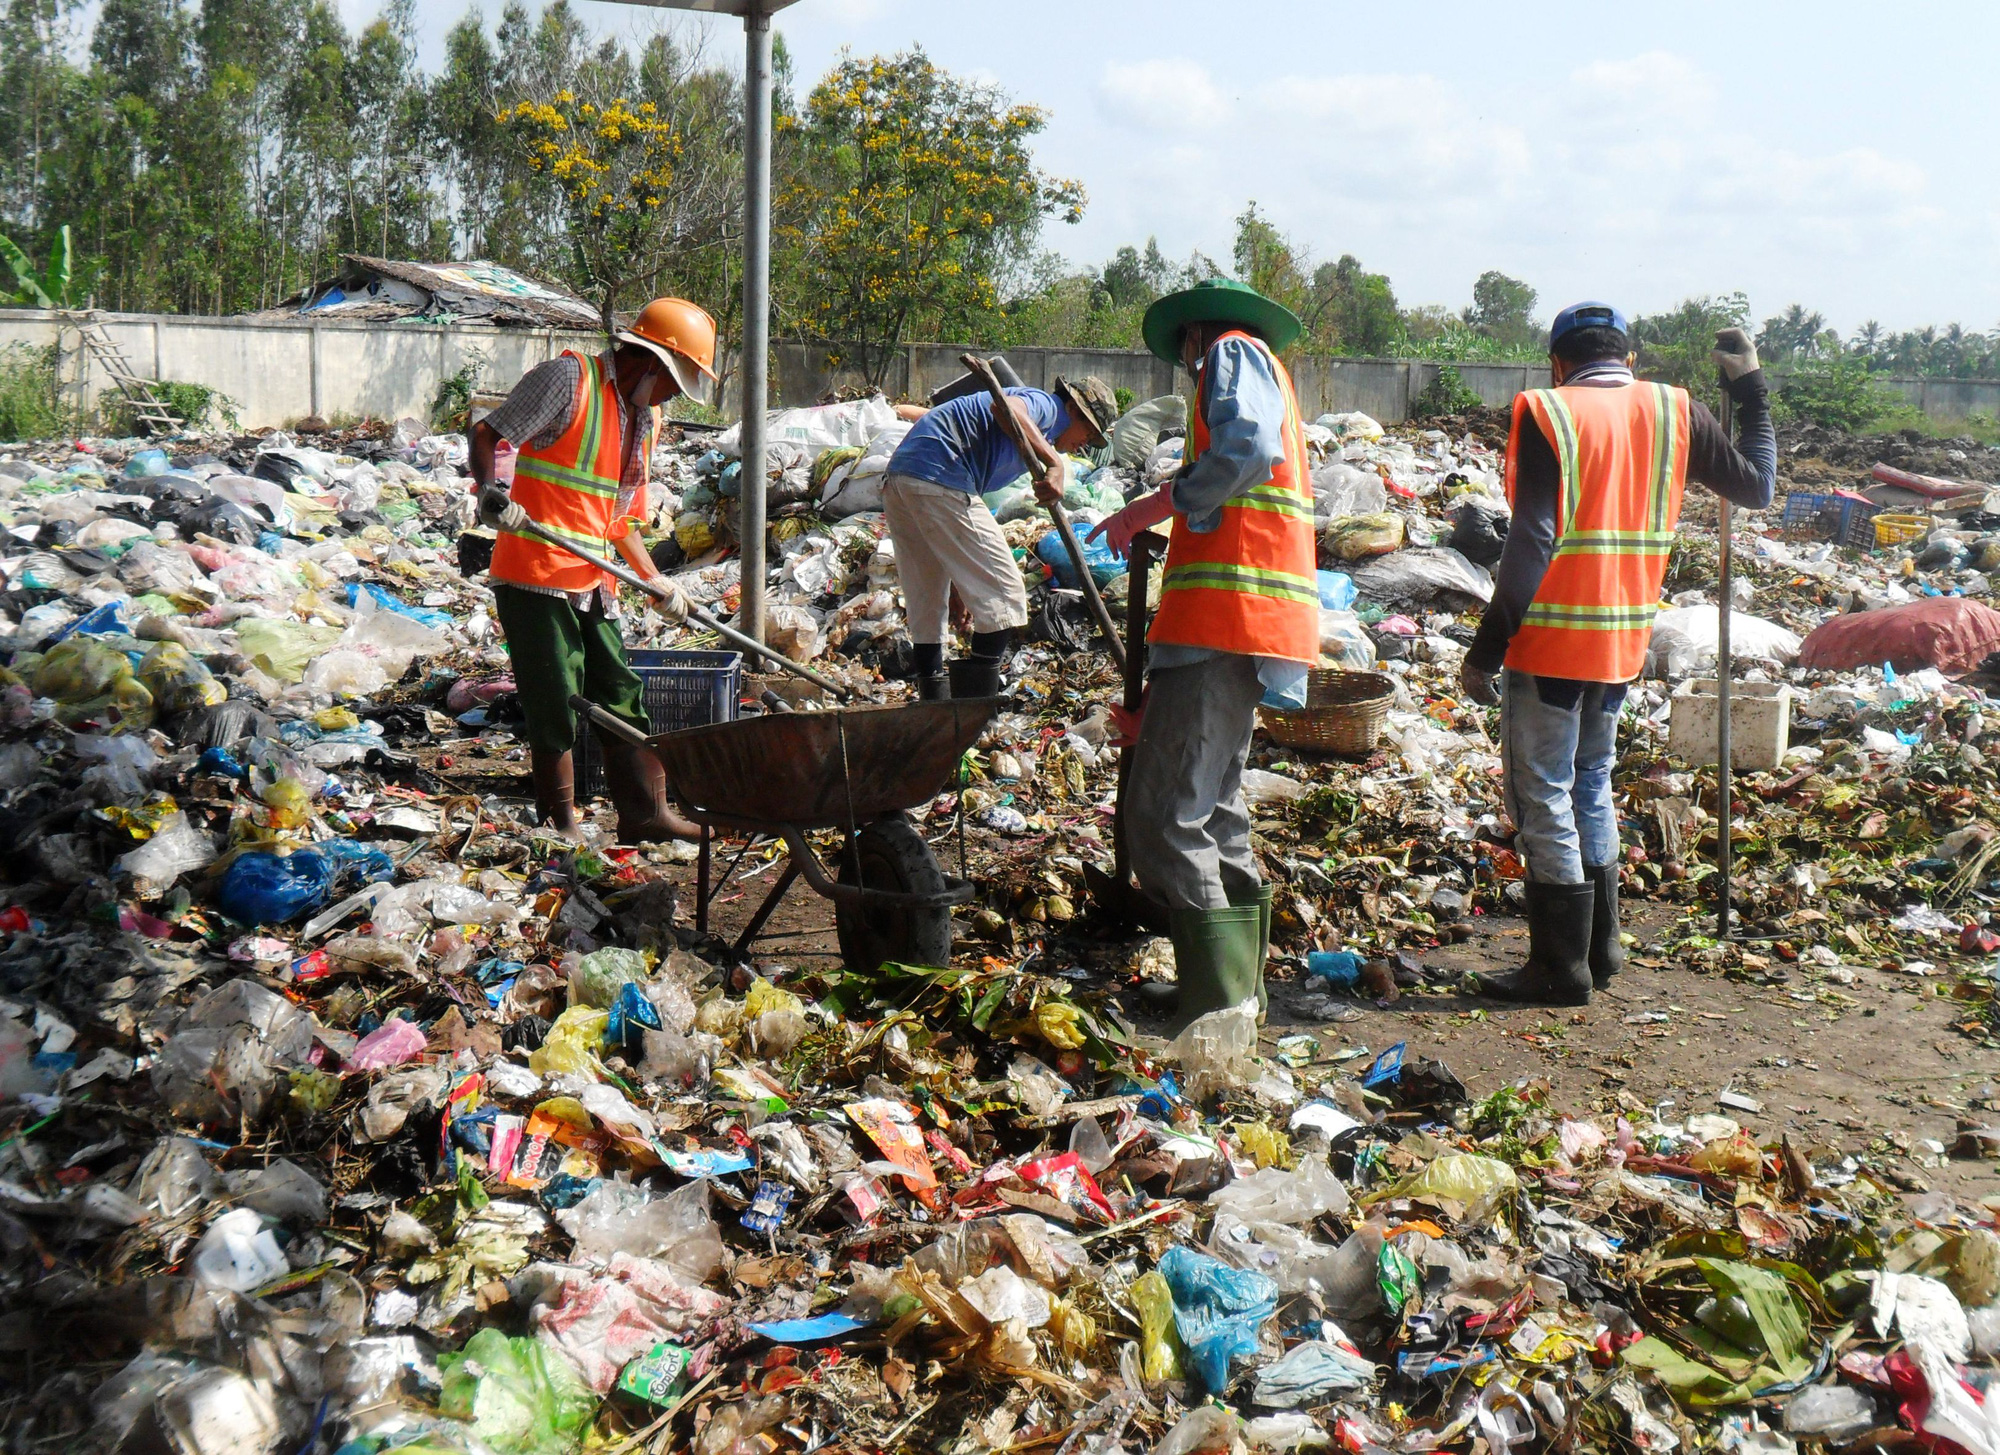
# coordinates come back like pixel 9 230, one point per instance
pixel 1585 315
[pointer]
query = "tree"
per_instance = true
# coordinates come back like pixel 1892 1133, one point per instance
pixel 1674 347
pixel 1503 309
pixel 1797 333
pixel 1344 308
pixel 912 193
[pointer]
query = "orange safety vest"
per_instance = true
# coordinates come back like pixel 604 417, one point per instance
pixel 1251 585
pixel 1622 453
pixel 571 489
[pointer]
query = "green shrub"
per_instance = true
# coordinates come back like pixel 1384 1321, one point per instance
pixel 454 395
pixel 1840 394
pixel 1447 393
pixel 30 406
pixel 198 404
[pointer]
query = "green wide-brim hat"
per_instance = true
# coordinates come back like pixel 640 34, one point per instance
pixel 1217 300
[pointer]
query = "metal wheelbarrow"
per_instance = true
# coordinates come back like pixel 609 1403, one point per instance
pixel 856 769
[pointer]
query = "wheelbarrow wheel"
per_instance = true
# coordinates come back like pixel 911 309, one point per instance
pixel 892 855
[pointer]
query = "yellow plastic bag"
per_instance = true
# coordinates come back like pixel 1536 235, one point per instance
pixel 696 536
pixel 1266 1146
pixel 763 996
pixel 572 1043
pixel 1456 1176
pixel 1059 1024
pixel 1159 1341
pixel 335 719
pixel 79 670
pixel 1357 537
pixel 177 681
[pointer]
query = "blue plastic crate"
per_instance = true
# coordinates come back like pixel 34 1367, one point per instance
pixel 1842 519
pixel 681 690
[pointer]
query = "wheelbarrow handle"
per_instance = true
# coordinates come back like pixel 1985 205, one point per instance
pixel 700 618
pixel 616 726
pixel 1071 546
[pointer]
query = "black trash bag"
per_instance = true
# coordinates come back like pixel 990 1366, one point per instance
pixel 475 553
pixel 189 461
pixel 281 469
pixel 1479 529
pixel 55 533
pixel 667 553
pixel 224 521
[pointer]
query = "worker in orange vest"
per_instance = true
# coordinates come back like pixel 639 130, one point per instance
pixel 1596 467
pixel 584 427
pixel 1238 624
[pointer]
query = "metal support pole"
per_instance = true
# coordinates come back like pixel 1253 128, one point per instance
pixel 1724 669
pixel 756 309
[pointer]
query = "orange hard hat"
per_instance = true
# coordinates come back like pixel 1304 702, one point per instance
pixel 682 334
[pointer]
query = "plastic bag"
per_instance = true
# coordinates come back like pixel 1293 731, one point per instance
pixel 1159 1341
pixel 1357 537
pixel 1103 566
pixel 1204 1430
pixel 518 1396
pixel 1686 639
pixel 283 649
pixel 1336 590
pixel 1421 574
pixel 625 1217
pixel 1277 1196
pixel 1344 641
pixel 1139 428
pixel 177 681
pixel 1310 1372
pixel 1479 529
pixel 1218 1310
pixel 823 427
pixel 1341 490
pixel 176 848
pixel 594 980
pixel 261 888
pixel 390 1044
pixel 238 1253
pixel 570 1048
pixel 1218 1050
pixel 1456 1176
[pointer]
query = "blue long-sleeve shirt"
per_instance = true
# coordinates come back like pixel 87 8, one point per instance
pixel 1746 474
pixel 1244 409
pixel 961 446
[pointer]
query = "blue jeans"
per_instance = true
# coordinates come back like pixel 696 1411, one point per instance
pixel 1558 738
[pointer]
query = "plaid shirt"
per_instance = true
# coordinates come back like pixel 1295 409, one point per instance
pixel 537 413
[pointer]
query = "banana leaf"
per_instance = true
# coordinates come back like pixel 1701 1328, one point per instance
pixel 1758 1334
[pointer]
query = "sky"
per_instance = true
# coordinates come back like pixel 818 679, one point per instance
pixel 1834 154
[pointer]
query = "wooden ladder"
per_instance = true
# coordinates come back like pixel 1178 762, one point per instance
pixel 146 407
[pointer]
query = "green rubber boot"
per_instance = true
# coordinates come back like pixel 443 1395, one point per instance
pixel 1262 899
pixel 1215 960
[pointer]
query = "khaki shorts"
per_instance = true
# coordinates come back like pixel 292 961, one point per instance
pixel 946 538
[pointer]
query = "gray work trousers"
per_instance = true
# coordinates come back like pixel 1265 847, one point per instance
pixel 1185 824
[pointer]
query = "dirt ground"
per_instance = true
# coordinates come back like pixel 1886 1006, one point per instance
pixel 1869 1069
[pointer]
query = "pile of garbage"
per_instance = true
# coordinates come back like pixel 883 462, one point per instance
pixel 344 1109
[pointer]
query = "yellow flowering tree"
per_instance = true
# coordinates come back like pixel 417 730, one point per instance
pixel 611 169
pixel 908 194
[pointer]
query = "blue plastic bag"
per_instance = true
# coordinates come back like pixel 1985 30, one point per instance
pixel 146 463
pixel 260 888
pixel 1104 567
pixel 1217 1310
pixel 1339 968
pixel 1336 590
pixel 355 863
pixel 429 617
pixel 632 1015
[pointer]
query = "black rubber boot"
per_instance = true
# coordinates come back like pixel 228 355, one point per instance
pixel 1607 951
pixel 934 687
pixel 1558 968
pixel 554 777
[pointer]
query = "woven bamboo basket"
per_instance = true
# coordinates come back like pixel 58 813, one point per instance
pixel 1344 713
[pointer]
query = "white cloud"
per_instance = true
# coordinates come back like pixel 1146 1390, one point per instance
pixel 1168 95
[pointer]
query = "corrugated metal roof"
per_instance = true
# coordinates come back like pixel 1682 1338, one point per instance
pixel 387 289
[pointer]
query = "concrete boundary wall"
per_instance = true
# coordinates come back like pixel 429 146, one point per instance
pixel 278 372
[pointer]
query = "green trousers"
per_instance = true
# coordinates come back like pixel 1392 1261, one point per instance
pixel 557 651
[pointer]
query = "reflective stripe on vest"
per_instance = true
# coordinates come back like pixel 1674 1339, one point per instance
pixel 571 488
pixel 1621 456
pixel 1251 585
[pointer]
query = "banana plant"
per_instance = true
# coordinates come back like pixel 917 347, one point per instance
pixel 55 286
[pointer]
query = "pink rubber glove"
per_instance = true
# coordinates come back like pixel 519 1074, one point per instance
pixel 1142 514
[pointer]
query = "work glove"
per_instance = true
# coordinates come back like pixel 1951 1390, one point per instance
pixel 1125 724
pixel 498 511
pixel 1734 354
pixel 1142 514
pixel 1481 687
pixel 672 604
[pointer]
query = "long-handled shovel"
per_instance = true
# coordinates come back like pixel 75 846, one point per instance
pixel 528 526
pixel 1117 893
pixel 1060 516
